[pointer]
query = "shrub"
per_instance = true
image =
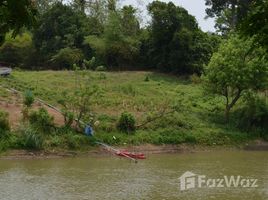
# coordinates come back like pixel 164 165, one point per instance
pixel 90 64
pixel 126 123
pixel 102 76
pixel 190 139
pixel 31 139
pixel 3 145
pixel 195 79
pixel 41 120
pixel 254 114
pixel 100 68
pixel 75 141
pixel 67 57
pixel 147 79
pixel 17 51
pixel 4 123
pixel 28 98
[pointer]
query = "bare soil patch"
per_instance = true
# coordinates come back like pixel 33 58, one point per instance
pixel 13 106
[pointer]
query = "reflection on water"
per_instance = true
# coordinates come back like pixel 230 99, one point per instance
pixel 113 178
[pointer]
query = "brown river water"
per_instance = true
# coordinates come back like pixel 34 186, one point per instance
pixel 156 178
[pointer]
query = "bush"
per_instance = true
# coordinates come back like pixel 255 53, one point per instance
pixel 31 139
pixel 90 64
pixel 126 123
pixel 66 58
pixel 147 79
pixel 28 98
pixel 4 123
pixel 76 141
pixel 254 114
pixel 195 79
pixel 100 68
pixel 3 145
pixel 41 120
pixel 17 51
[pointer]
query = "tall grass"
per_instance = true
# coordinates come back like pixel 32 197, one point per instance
pixel 199 121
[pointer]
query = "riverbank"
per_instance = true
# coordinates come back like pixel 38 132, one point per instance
pixel 165 110
pixel 147 149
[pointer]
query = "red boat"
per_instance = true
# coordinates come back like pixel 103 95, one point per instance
pixel 130 154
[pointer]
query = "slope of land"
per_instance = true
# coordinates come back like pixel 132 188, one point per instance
pixel 199 120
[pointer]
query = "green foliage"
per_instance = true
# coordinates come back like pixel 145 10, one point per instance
pixel 28 98
pixel 126 123
pixel 15 15
pixel 254 114
pixel 255 23
pixel 31 139
pixel 197 122
pixel 17 51
pixel 227 13
pixel 3 145
pixel 83 35
pixel 4 123
pixel 66 58
pixel 100 68
pixel 195 79
pixel 75 141
pixel 130 23
pixel 147 79
pixel 118 45
pixel 175 42
pixel 90 64
pixel 236 68
pixel 41 120
pixel 102 76
pixel 77 103
pixel 128 90
pixel 60 27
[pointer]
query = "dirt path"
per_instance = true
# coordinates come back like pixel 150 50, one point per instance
pixel 13 105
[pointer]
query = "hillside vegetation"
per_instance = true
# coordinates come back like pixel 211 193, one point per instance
pixel 179 108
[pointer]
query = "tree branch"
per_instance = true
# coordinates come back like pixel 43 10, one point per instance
pixel 235 99
pixel 156 117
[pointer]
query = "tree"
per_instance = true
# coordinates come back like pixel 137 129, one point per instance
pixel 118 46
pixel 174 38
pixel 255 23
pixel 228 13
pixel 44 5
pixel 80 5
pixel 77 104
pixel 17 51
pixel 97 14
pixel 112 5
pixel 14 15
pixel 235 69
pixel 66 58
pixel 58 28
pixel 130 23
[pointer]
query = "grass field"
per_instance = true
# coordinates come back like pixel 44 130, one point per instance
pixel 199 120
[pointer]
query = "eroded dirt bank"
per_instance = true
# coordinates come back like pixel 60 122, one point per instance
pixel 146 149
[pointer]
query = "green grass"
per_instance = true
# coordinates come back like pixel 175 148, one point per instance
pixel 199 121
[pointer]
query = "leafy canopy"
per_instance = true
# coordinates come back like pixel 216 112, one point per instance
pixel 237 68
pixel 58 28
pixel 176 44
pixel 14 15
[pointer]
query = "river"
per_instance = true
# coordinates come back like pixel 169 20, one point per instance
pixel 156 178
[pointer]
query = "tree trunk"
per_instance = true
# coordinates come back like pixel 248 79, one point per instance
pixel 227 113
pixel 234 14
pixel 229 106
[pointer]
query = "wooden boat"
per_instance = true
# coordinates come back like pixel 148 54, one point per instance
pixel 131 154
pixel 123 153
